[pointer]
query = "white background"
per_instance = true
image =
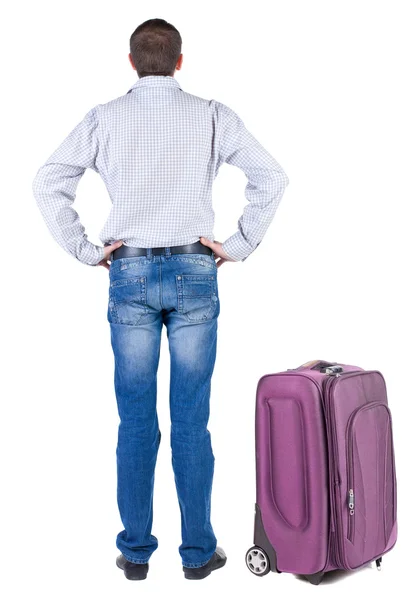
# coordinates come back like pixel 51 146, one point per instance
pixel 328 88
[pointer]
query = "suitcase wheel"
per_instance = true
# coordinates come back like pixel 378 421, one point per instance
pixel 257 561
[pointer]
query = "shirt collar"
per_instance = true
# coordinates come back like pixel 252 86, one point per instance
pixel 155 81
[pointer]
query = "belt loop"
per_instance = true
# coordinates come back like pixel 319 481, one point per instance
pixel 167 251
pixel 148 253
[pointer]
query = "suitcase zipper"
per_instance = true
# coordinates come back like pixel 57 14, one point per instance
pixel 351 507
pixel 328 385
pixel 350 476
pixel 334 493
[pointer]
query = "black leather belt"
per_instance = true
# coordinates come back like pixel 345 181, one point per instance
pixel 127 251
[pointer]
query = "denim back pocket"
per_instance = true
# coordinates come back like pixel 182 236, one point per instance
pixel 197 296
pixel 127 300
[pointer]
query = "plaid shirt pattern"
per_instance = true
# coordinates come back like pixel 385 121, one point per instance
pixel 158 150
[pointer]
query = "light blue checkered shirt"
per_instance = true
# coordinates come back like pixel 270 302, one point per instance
pixel 158 150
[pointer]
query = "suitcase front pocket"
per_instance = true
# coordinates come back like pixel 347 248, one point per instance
pixel 370 498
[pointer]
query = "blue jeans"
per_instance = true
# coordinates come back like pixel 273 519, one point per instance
pixel 145 292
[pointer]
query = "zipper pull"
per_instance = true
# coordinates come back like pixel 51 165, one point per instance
pixel 351 503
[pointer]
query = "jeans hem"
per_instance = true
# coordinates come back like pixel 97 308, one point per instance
pixel 196 565
pixel 137 561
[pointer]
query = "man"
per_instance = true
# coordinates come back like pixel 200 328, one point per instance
pixel 158 150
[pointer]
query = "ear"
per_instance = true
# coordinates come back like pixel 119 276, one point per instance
pixel 131 61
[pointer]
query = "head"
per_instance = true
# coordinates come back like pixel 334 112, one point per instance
pixel 155 48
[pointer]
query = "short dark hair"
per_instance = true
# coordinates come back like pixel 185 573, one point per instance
pixel 155 47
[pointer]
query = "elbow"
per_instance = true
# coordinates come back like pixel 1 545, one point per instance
pixel 282 178
pixel 41 188
pixel 38 186
pixel 278 182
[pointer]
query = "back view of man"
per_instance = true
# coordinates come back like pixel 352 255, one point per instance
pixel 158 150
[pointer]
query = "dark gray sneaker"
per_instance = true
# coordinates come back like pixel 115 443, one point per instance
pixel 217 560
pixel 132 570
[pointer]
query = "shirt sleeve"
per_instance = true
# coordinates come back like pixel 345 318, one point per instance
pixel 54 188
pixel 265 187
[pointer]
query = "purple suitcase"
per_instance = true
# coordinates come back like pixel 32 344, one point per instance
pixel 326 481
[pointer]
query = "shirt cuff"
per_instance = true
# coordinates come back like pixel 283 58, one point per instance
pixel 236 247
pixel 91 254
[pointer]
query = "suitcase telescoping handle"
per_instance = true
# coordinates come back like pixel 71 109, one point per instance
pixel 323 366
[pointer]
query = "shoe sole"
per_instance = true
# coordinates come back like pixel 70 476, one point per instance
pixel 194 576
